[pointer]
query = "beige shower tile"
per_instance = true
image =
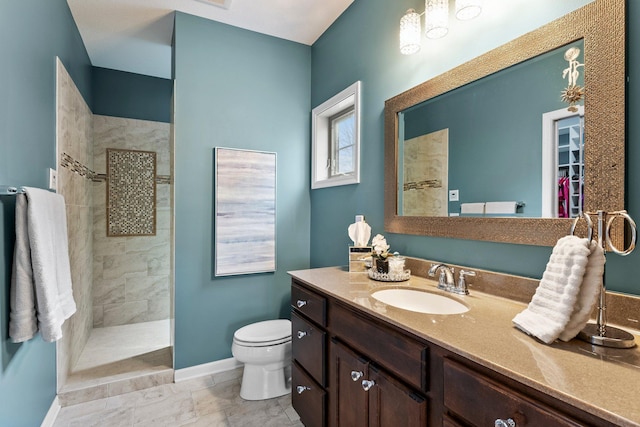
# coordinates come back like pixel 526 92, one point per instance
pixel 98 267
pixel 99 194
pixel 158 309
pixel 98 315
pixel 115 266
pixel 74 397
pixel 109 246
pixel 143 382
pixel 163 196
pixel 121 314
pixel 163 221
pixel 148 244
pixel 149 288
pixel 109 291
pixel 159 264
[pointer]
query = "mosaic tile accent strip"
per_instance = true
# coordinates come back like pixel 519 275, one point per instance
pixel 131 193
pixel 163 179
pixel 66 161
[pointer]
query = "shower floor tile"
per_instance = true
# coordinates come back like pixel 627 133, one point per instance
pixel 122 352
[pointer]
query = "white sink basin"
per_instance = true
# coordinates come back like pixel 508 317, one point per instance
pixel 420 301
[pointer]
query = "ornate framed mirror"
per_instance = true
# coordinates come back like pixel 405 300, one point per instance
pixel 599 27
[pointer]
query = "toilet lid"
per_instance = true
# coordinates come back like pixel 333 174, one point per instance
pixel 260 332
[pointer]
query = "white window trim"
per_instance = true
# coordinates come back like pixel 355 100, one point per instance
pixel 550 159
pixel 321 129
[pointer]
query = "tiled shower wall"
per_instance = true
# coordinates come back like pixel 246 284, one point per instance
pixel 131 274
pixel 74 129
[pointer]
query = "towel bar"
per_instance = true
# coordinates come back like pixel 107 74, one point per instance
pixel 7 190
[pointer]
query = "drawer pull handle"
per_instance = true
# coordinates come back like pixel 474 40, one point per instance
pixel 367 384
pixel 505 423
pixel 301 303
pixel 301 334
pixel 356 375
pixel 302 388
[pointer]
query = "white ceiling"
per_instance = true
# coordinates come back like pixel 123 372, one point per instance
pixel 135 35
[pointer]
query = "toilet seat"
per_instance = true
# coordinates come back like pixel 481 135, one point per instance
pixel 262 334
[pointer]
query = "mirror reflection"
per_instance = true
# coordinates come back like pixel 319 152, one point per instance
pixel 514 145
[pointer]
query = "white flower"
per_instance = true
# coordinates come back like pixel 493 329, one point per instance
pixel 380 246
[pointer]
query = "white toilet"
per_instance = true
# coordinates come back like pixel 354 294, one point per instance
pixel 265 350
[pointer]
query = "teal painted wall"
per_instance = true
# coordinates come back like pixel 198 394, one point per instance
pixel 363 45
pixel 236 89
pixel 34 32
pixel 133 96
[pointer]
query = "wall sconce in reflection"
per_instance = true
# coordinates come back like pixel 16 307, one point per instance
pixel 573 93
pixel 436 22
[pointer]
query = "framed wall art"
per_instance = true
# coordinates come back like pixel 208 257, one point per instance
pixel 245 211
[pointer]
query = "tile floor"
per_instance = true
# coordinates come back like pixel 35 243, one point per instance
pixel 211 401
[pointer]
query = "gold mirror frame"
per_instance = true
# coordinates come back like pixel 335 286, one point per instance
pixel 602 26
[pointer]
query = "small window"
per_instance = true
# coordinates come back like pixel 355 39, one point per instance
pixel 336 140
pixel 343 143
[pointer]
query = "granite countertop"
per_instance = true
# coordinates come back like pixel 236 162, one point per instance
pixel 601 381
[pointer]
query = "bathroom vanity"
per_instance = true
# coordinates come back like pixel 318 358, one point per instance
pixel 359 362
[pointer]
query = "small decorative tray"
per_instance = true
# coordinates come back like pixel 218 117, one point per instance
pixel 389 277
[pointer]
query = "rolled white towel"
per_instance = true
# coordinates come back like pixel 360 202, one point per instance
pixel 552 306
pixel 588 295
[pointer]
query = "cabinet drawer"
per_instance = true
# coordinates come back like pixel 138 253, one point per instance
pixel 480 401
pixel 308 344
pixel 308 399
pixel 309 303
pixel 397 353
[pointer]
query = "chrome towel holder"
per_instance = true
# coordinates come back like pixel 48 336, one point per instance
pixel 599 333
pixel 7 190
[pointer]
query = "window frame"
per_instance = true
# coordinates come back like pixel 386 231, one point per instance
pixel 321 123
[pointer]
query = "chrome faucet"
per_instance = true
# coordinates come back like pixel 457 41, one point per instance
pixel 445 280
pixel 463 288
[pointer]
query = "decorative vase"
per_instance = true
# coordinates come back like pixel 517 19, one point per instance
pixel 382 265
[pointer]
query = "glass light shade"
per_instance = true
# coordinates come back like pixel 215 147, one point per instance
pixel 410 32
pixel 436 18
pixel 468 9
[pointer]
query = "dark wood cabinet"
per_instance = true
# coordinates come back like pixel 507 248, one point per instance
pixel 349 402
pixel 309 353
pixel 408 381
pixel 308 397
pixel 480 401
pixel 363 394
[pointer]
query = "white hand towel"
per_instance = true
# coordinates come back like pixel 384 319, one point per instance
pixel 501 208
pixel 46 227
pixel 22 317
pixel 588 295
pixel 472 208
pixel 550 309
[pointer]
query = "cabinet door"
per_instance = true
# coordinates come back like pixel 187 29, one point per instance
pixel 392 404
pixel 349 402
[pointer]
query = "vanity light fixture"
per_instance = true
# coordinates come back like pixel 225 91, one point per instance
pixel 436 18
pixel 436 21
pixel 468 9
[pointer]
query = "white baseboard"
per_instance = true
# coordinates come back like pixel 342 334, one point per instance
pixel 50 418
pixel 206 369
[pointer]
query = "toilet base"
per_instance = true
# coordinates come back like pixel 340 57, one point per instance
pixel 261 382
